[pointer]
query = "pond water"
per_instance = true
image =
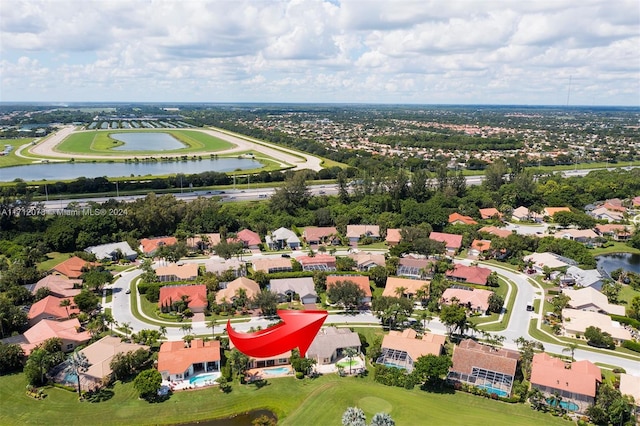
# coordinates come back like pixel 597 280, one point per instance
pixel 244 419
pixel 146 141
pixel 613 261
pixel 59 171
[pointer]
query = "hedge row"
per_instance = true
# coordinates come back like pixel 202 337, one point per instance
pixel 626 320
pixel 632 346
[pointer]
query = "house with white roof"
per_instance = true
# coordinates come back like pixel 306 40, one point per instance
pixel 575 322
pixel 330 343
pixel 551 260
pixel 285 288
pixel 113 251
pixel 583 277
pixel 590 299
pixel 282 238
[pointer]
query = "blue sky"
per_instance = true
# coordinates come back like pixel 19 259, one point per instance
pixel 355 51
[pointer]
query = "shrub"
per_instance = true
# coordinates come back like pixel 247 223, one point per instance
pixel 299 375
pixel 626 320
pixel 632 346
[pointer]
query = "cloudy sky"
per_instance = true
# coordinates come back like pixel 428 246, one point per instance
pixel 355 51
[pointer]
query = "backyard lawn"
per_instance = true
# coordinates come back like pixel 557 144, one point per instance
pixel 310 402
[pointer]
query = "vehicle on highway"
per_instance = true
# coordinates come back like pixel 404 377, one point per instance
pixel 128 291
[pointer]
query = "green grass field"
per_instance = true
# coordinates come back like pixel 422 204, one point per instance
pixel 296 402
pixel 100 142
pixel 12 159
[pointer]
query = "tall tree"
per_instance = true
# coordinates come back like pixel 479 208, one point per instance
pixel 292 195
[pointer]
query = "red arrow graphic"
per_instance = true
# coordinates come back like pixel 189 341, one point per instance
pixel 297 330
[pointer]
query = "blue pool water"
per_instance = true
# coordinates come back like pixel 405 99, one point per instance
pixel 567 405
pixel 497 391
pixel 276 371
pixel 390 364
pixel 201 379
pixel 70 377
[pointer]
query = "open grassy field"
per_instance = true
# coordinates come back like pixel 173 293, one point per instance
pixel 296 402
pixel 53 258
pixel 12 159
pixel 100 142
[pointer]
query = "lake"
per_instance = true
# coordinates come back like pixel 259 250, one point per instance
pixel 244 419
pixel 613 261
pixel 61 171
pixel 146 142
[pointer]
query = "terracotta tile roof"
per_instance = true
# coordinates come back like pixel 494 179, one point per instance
pixel 366 259
pixel 355 231
pixel 550 211
pixel 360 280
pixel 469 354
pixel 150 245
pixel 614 207
pixel 581 378
pixel 430 344
pixel 489 213
pixel 176 359
pixel 187 271
pixel 498 232
pixel 249 238
pixel 50 307
pixel 451 241
pixel 315 233
pixel 393 236
pixel 458 218
pixel 613 229
pixel 636 201
pixel 481 245
pixel 266 264
pixel 197 295
pixel 478 299
pixel 411 286
pixel 470 274
pixel 411 262
pixel 211 240
pixel 46 329
pixel 72 267
pixel 59 286
pixel 318 259
pixel 251 287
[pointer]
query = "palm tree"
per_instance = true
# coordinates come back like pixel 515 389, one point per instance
pixel 425 317
pixel 65 303
pixel 350 353
pixel 163 331
pixel 126 328
pixel 400 291
pixel 80 365
pixel 423 293
pixel 186 328
pixel 212 325
pixel 571 348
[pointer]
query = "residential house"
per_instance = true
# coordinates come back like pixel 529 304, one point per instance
pixel 636 201
pixel 452 242
pixel 315 235
pixel 221 266
pixel 602 213
pixel 484 367
pixel 410 286
pixel 582 277
pixel 575 322
pixel 498 232
pixel 522 214
pixel 458 219
pixel 584 236
pixel 249 239
pixel 49 308
pixel 149 246
pixel 414 267
pixel 286 288
pixel 479 248
pixel 630 385
pixel 365 261
pixel 283 238
pixel 490 213
pixel 476 300
pixel 469 274
pixel 355 232
pixel 614 204
pixel 177 272
pixel 230 291
pixel 402 349
pixel 551 211
pixel 58 286
pixel 273 361
pixel 113 251
pixel 69 331
pixel 319 262
pixel 330 343
pixel 99 355
pixel 551 260
pixel 194 295
pixel 269 265
pixel 203 242
pixel 590 299
pixel 73 267
pixel 393 237
pixel 614 231
pixel 577 383
pixel 359 280
pixel 176 361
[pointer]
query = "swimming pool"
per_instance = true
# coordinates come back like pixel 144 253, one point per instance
pixel 491 389
pixel 204 379
pixel 276 371
pixel 392 365
pixel 567 405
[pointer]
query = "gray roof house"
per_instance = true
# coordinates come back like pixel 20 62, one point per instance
pixel 282 238
pixel 286 287
pixel 584 277
pixel 110 251
pixel 330 343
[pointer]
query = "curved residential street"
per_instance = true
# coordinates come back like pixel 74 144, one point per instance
pixel 518 322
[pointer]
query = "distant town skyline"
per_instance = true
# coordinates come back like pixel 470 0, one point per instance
pixel 576 53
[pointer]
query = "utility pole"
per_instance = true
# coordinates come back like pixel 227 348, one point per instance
pixel 46 192
pixel 117 190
